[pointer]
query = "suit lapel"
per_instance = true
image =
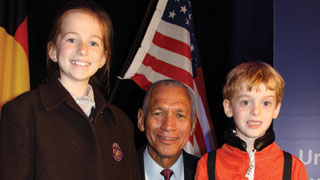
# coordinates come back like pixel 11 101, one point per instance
pixel 190 165
pixel 141 162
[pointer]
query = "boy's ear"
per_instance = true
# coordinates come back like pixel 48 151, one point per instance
pixel 227 108
pixel 140 122
pixel 276 111
pixel 52 52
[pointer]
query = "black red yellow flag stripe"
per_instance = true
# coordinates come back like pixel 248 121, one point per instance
pixel 14 64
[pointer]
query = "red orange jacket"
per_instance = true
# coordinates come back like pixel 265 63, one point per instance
pixel 233 163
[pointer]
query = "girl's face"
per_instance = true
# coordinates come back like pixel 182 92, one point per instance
pixel 79 50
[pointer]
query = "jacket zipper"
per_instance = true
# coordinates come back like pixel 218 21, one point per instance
pixel 250 172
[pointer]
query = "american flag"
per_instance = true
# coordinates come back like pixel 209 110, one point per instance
pixel 169 51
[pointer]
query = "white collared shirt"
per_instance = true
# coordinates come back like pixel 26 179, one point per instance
pixel 152 169
pixel 85 102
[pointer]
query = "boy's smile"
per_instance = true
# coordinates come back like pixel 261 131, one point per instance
pixel 254 124
pixel 252 111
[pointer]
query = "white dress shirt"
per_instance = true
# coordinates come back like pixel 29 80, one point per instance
pixel 152 169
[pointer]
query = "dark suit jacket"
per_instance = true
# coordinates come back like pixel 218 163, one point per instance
pixel 190 164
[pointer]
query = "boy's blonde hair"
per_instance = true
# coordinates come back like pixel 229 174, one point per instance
pixel 253 73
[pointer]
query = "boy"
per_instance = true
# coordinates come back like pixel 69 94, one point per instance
pixel 252 96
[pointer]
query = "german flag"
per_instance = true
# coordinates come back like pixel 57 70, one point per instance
pixel 14 64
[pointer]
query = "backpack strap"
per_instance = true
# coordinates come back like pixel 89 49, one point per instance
pixel 211 164
pixel 287 167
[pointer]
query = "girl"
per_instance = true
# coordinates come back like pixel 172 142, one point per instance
pixel 65 129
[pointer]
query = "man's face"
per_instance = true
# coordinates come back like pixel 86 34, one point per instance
pixel 168 122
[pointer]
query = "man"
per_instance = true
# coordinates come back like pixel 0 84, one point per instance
pixel 168 119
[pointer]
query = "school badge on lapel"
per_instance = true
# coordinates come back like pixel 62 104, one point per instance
pixel 117 152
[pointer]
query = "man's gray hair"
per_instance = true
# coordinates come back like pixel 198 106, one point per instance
pixel 172 83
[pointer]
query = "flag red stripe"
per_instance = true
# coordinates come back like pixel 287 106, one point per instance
pixel 142 81
pixel 200 84
pixel 172 44
pixel 168 70
pixel 201 89
pixel 21 35
pixel 200 138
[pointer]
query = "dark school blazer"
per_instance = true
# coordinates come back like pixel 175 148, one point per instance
pixel 45 135
pixel 189 161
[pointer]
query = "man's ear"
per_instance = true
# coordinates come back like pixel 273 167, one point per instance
pixel 193 125
pixel 140 122
pixel 227 108
pixel 52 52
pixel 276 111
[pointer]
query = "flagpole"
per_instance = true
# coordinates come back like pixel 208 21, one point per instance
pixel 136 43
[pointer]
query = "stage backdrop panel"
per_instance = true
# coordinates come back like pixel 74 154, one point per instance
pixel 297 58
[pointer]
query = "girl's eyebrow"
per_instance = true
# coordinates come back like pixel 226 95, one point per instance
pixel 96 36
pixel 75 33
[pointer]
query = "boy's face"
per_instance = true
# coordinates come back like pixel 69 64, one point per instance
pixel 252 111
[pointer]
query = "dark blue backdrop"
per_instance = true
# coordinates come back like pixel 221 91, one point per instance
pixel 296 56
